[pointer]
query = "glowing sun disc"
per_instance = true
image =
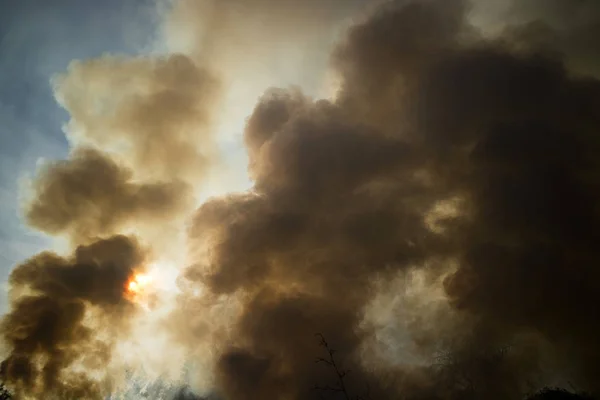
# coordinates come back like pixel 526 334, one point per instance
pixel 137 284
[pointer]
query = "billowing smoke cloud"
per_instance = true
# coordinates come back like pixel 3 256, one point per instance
pixel 51 297
pixel 142 144
pixel 153 111
pixel 90 195
pixel 570 28
pixel 428 113
pixel 435 221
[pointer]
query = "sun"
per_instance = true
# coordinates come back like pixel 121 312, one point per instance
pixel 137 285
pixel 153 285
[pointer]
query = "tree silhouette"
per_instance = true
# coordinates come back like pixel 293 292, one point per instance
pixel 474 373
pixel 339 387
pixel 558 394
pixel 4 393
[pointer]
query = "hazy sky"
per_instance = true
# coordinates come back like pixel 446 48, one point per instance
pixel 38 39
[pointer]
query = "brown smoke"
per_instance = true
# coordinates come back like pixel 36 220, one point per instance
pixel 140 129
pixel 51 297
pixel 90 195
pixel 153 111
pixel 427 112
pixel 453 175
pixel 569 27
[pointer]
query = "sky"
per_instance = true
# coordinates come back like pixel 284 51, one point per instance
pixel 202 197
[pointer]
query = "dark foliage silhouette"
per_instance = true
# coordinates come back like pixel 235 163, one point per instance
pixel 559 394
pixel 4 393
pixel 458 378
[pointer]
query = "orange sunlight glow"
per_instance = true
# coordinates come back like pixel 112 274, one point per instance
pixel 137 284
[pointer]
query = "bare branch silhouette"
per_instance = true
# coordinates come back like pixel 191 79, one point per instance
pixel 340 373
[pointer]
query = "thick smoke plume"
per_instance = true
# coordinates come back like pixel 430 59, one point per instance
pixel 435 220
pixel 346 191
pixel 51 298
pixel 90 195
pixel 141 146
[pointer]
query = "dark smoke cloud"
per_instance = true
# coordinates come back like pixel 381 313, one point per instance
pixel 90 195
pixel 427 112
pixel 467 160
pixel 46 327
pixel 571 27
pixel 378 59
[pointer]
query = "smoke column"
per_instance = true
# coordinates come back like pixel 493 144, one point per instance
pixel 435 218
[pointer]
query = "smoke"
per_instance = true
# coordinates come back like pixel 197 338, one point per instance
pixel 434 220
pixel 569 28
pixel 155 112
pixel 428 113
pixel 91 195
pixel 51 298
pixel 142 146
